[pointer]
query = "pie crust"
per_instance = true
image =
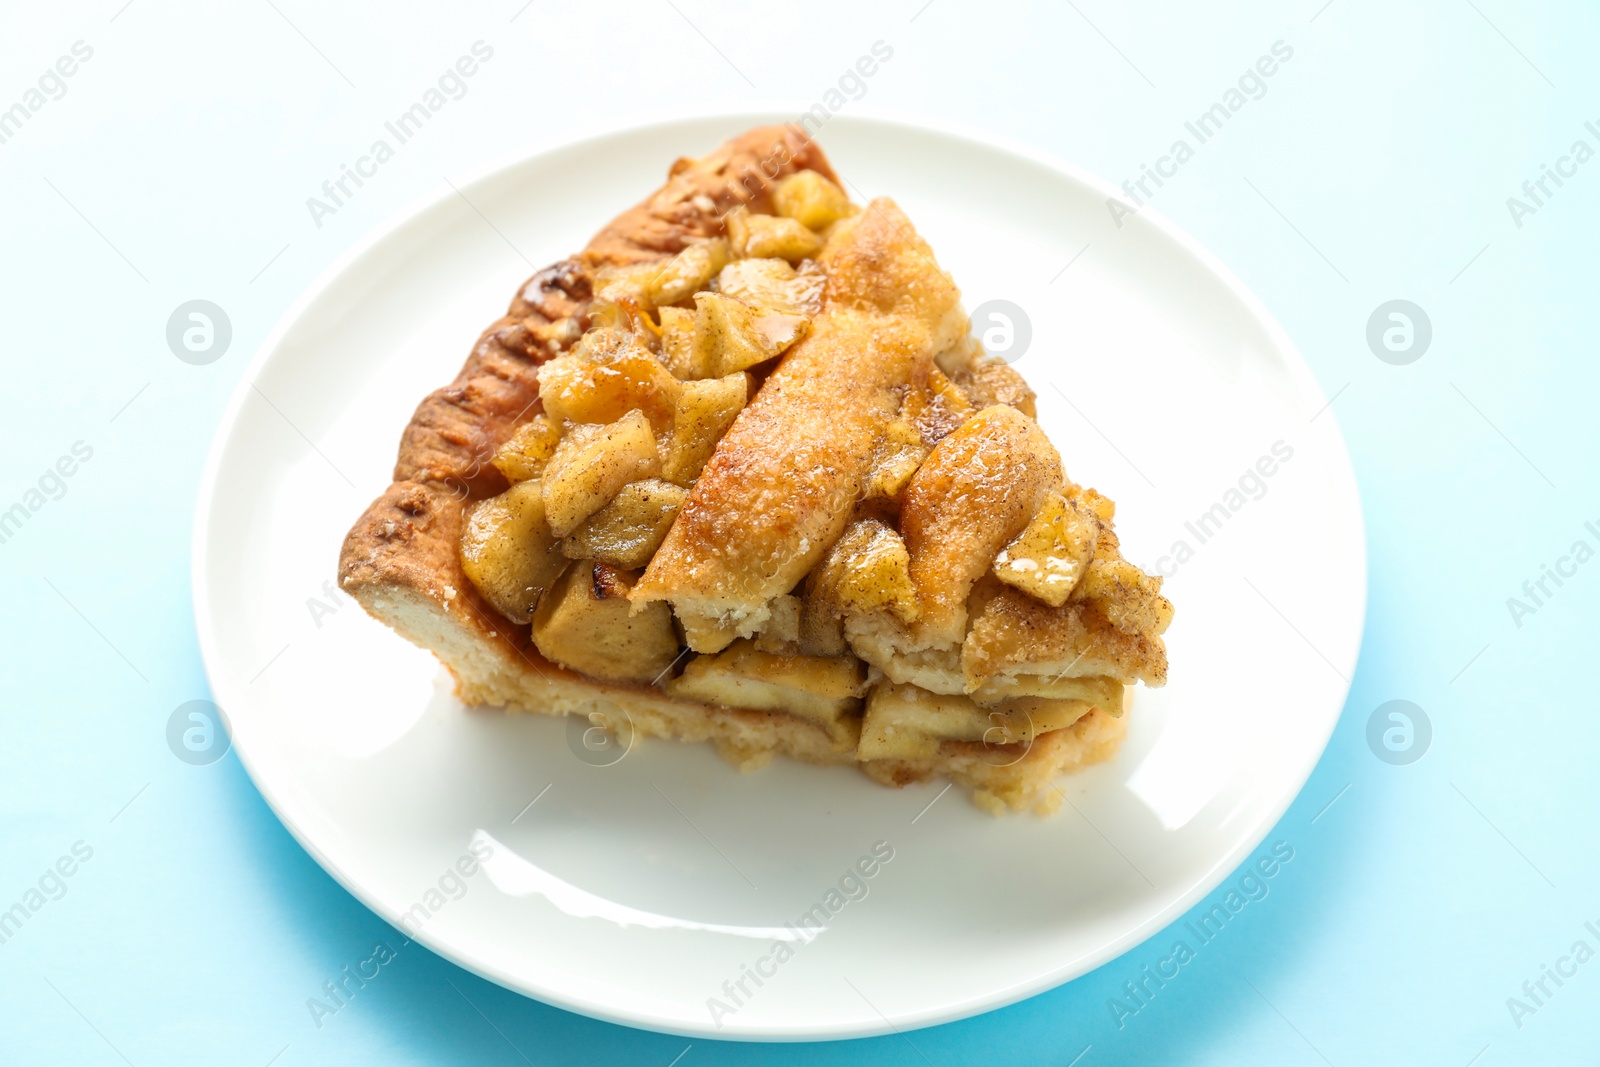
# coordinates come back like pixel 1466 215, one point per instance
pixel 975 578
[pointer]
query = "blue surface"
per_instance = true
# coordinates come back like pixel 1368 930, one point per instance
pixel 1376 165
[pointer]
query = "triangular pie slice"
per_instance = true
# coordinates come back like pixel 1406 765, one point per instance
pixel 738 473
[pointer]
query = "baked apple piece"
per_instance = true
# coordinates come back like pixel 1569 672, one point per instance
pixel 585 623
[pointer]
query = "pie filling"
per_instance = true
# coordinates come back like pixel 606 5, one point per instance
pixel 974 596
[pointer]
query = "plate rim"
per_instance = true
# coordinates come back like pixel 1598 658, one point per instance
pixel 1341 469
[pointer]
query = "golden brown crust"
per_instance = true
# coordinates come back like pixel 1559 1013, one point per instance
pixel 974 493
pixel 699 193
pixel 407 542
pixel 456 429
pixel 1012 632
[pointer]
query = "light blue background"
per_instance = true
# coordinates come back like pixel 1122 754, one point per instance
pixel 181 157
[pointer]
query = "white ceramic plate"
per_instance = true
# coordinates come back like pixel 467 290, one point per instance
pixel 632 892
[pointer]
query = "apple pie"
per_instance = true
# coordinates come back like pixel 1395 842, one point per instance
pixel 739 472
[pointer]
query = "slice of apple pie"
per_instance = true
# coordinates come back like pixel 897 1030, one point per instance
pixel 738 472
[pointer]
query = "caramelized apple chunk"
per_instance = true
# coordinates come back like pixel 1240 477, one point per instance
pixel 1103 507
pixel 677 342
pixel 585 623
pixel 626 284
pixel 1130 598
pixel 731 336
pixel 528 450
pixel 507 551
pixel 704 412
pixel 768 236
pixel 935 406
pixel 867 570
pixel 774 285
pixel 627 531
pixel 608 374
pixel 688 272
pixel 899 456
pixel 810 199
pixel 1048 558
pixel 591 464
